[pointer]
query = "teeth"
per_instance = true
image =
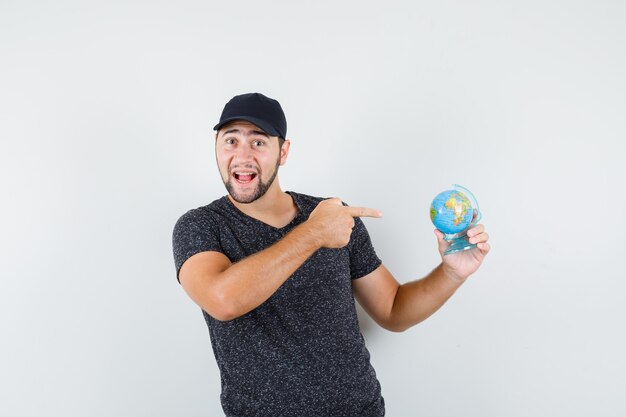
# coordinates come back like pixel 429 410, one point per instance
pixel 244 173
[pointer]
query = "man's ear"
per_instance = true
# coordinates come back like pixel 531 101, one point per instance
pixel 284 151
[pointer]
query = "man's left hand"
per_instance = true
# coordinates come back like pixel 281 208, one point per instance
pixel 461 265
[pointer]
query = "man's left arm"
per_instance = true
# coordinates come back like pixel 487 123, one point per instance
pixel 398 307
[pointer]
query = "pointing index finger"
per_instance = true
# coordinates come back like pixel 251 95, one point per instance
pixel 364 212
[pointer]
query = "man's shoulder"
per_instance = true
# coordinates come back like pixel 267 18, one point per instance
pixel 309 202
pixel 312 200
pixel 202 213
pixel 306 197
pixel 305 201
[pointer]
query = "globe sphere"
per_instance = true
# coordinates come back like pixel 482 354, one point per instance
pixel 451 212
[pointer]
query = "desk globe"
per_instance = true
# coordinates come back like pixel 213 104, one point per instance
pixel 453 212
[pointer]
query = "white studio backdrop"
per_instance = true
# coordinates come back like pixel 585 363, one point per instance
pixel 106 110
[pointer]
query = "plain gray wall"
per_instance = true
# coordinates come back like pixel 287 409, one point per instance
pixel 106 110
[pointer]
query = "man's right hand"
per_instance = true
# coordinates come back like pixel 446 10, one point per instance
pixel 331 222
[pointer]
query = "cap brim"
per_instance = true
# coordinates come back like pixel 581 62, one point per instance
pixel 266 127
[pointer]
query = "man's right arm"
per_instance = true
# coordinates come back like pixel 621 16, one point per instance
pixel 228 290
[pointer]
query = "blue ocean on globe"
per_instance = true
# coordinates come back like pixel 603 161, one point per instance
pixel 451 212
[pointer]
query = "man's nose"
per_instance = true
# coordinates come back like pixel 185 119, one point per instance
pixel 244 153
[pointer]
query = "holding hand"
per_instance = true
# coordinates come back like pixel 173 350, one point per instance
pixel 462 264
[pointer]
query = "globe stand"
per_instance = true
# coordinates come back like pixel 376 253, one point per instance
pixel 458 243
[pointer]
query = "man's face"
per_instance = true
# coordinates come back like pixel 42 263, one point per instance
pixel 248 160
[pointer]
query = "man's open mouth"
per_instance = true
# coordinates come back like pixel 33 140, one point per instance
pixel 243 177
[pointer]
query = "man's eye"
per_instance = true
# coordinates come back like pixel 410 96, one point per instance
pixel 259 142
pixel 230 141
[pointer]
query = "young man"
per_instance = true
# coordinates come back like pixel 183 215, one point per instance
pixel 276 274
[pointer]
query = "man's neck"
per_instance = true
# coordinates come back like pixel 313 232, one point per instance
pixel 272 207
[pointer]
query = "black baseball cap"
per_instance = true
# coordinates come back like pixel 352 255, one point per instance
pixel 257 109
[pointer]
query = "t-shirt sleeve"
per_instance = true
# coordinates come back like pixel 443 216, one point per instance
pixel 194 232
pixel 363 257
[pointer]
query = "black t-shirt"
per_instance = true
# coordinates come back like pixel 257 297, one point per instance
pixel 301 352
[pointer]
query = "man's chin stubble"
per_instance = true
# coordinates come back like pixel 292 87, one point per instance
pixel 241 199
pixel 259 191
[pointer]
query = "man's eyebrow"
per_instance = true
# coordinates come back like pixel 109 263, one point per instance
pixel 256 132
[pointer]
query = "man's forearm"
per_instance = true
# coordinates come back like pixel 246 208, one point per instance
pixel 417 300
pixel 248 283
